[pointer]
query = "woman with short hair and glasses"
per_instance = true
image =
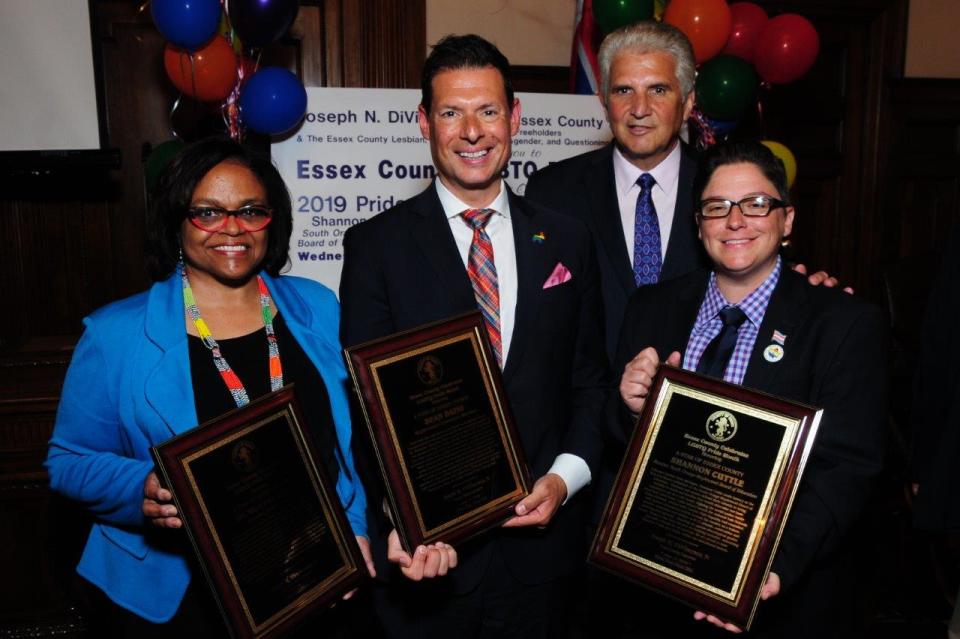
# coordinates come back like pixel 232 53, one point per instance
pixel 218 328
pixel 751 321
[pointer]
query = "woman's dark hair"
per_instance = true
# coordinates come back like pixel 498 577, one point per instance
pixel 176 184
pixel 463 52
pixel 735 152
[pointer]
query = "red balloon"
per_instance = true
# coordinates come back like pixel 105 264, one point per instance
pixel 748 21
pixel 210 76
pixel 786 49
pixel 705 22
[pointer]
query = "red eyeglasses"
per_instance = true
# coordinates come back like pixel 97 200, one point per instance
pixel 212 219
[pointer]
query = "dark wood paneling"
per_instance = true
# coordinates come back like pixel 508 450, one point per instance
pixel 537 79
pixel 921 195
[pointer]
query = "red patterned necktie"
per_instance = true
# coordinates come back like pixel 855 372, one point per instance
pixel 483 276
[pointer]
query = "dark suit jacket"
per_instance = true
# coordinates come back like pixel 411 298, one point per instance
pixel 936 405
pixel 402 269
pixel 584 187
pixel 835 358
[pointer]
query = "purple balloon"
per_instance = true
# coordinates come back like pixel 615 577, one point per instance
pixel 260 22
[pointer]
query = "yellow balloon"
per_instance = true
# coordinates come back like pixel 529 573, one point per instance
pixel 786 156
pixel 659 7
pixel 227 32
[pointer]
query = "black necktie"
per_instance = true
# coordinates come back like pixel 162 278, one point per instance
pixel 714 360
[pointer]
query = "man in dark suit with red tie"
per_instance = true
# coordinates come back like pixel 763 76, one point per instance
pixel 467 242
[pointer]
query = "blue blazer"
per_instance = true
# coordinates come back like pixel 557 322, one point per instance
pixel 127 389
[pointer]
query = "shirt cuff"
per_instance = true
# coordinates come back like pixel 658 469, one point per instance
pixel 574 472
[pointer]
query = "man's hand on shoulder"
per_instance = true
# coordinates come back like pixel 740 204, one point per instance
pixel 821 278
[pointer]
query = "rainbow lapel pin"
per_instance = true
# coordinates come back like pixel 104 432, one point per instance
pixel 539 237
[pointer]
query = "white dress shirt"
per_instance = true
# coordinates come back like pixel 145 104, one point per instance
pixel 667 175
pixel 572 469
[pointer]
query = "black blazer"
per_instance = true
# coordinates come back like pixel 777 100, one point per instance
pixel 402 269
pixel 835 358
pixel 584 187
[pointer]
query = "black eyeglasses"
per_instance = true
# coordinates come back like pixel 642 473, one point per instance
pixel 753 206
pixel 212 219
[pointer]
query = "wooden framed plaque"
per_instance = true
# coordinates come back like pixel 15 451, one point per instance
pixel 444 437
pixel 267 526
pixel 704 491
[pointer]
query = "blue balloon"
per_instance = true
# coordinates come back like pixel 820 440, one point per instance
pixel 272 101
pixel 722 127
pixel 188 24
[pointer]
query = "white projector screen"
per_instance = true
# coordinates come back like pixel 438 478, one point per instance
pixel 48 97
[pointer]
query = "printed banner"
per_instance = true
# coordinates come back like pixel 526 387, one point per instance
pixel 359 152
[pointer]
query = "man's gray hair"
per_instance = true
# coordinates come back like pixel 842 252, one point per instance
pixel 648 36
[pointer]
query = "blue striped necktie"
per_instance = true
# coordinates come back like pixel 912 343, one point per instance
pixel 646 235
pixel 483 276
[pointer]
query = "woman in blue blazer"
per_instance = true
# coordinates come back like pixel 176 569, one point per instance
pixel 213 332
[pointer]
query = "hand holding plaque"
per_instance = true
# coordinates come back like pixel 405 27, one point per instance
pixel 442 431
pixel 704 491
pixel 267 525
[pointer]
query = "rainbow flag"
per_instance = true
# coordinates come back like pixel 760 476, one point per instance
pixel 584 70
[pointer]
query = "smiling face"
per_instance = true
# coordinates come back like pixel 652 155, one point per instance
pixel 743 249
pixel 469 127
pixel 231 255
pixel 645 106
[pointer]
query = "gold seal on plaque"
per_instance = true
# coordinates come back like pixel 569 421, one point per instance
pixel 430 370
pixel 245 456
pixel 721 426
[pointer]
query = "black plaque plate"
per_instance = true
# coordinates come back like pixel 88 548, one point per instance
pixel 266 523
pixel 704 491
pixel 442 430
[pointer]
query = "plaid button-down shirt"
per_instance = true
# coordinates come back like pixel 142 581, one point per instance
pixel 708 325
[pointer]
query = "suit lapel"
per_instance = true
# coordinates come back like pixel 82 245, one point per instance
pixel 683 247
pixel 533 268
pixel 678 318
pixel 785 313
pixel 168 390
pixel 431 232
pixel 600 185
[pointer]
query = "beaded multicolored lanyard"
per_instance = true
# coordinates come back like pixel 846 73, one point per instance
pixel 234 385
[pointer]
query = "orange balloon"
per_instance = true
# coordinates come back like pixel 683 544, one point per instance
pixel 707 23
pixel 210 76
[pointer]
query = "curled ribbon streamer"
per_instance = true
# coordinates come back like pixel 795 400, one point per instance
pixel 231 107
pixel 173 109
pixel 708 136
pixel 764 86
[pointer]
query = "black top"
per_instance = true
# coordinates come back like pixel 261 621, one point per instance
pixel 249 358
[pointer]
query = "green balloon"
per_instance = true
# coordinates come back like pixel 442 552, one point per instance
pixel 158 160
pixel 725 87
pixel 613 14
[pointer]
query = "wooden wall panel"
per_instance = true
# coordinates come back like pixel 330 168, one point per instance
pixel 921 195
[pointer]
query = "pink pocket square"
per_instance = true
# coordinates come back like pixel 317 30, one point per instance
pixel 560 275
